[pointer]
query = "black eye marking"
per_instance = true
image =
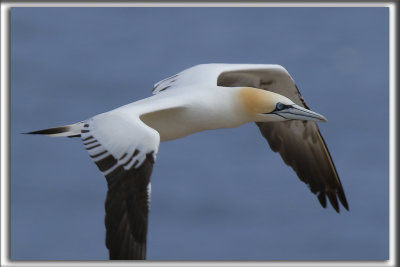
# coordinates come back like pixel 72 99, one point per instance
pixel 279 106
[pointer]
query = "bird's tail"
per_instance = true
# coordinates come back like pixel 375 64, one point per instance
pixel 72 130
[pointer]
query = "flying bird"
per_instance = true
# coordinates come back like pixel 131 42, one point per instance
pixel 123 142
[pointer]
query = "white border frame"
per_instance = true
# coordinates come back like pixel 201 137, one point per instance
pixel 5 133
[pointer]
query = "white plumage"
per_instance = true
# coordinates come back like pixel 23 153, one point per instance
pixel 124 142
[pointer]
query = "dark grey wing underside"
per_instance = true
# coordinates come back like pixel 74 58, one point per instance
pixel 127 203
pixel 299 143
pixel 127 209
pixel 302 147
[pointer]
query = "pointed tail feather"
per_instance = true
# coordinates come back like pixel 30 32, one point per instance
pixel 72 130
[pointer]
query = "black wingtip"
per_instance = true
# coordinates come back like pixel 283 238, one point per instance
pixel 322 199
pixel 333 200
pixel 343 200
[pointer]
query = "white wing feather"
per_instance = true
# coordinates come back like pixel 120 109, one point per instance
pixel 208 74
pixel 122 135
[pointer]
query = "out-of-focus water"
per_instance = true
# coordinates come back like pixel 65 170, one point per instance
pixel 216 195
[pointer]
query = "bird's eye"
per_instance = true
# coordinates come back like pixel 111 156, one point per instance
pixel 279 106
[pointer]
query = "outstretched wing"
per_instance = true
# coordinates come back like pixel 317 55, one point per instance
pixel 207 74
pixel 299 143
pixel 124 150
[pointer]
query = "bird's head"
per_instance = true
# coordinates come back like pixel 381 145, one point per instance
pixel 265 106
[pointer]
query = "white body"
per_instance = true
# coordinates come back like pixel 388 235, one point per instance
pixel 177 113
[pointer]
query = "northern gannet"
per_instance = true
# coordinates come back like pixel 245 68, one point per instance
pixel 124 142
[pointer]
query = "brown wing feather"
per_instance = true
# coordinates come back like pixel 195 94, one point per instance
pixel 128 200
pixel 127 209
pixel 301 146
pixel 299 143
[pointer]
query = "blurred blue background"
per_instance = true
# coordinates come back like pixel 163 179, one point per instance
pixel 216 195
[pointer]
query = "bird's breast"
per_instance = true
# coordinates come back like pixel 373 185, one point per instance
pixel 194 116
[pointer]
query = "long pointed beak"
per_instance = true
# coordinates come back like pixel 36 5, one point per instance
pixel 296 112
